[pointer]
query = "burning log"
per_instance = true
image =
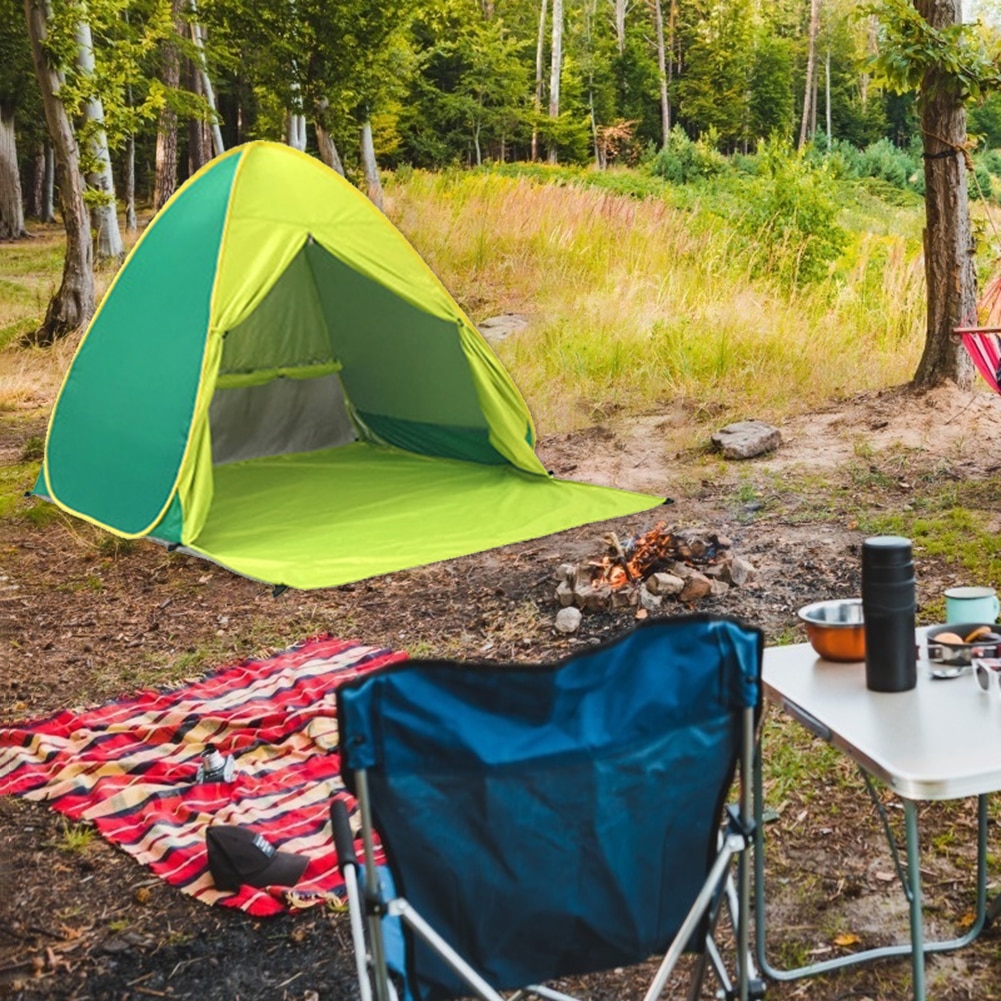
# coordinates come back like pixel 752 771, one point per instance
pixel 660 564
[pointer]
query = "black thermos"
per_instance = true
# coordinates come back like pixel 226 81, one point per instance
pixel 888 606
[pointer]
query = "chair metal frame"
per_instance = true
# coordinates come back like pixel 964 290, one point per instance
pixel 370 906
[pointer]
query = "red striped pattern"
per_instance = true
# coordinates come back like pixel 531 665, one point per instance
pixel 129 766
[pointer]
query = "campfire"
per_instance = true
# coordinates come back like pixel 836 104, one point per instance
pixel 659 549
pixel 663 563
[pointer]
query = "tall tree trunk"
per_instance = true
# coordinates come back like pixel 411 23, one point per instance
pixel 325 141
pixel 33 199
pixel 130 185
pixel 621 6
pixel 556 69
pixel 827 98
pixel 540 47
pixel 948 240
pixel 665 104
pixel 73 305
pixel 103 214
pixel 11 205
pixel 811 70
pixel 166 126
pixel 198 37
pixel 295 131
pixel 199 141
pixel 49 185
pixel 373 182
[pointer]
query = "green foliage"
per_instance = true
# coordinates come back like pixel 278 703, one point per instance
pixel 682 161
pixel 791 215
pixel 913 55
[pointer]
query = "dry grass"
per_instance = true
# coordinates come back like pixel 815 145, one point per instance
pixel 633 303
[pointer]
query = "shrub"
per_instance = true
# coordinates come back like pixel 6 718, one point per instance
pixel 682 161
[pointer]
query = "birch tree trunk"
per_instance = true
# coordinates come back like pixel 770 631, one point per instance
pixel 540 47
pixel 621 6
pixel 555 71
pixel 130 186
pixel 103 214
pixel 11 205
pixel 49 185
pixel 948 239
pixel 811 70
pixel 199 140
pixel 827 98
pixel 665 104
pixel 207 90
pixel 73 304
pixel 166 126
pixel 295 131
pixel 373 182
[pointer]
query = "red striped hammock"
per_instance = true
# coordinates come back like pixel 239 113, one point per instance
pixel 129 767
pixel 982 341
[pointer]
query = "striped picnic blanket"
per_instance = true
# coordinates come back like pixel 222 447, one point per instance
pixel 130 767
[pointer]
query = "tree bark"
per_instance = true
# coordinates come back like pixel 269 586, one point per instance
pixel 295 131
pixel 325 142
pixel 49 185
pixel 621 6
pixel 207 90
pixel 11 204
pixel 73 305
pixel 811 70
pixel 103 214
pixel 33 197
pixel 948 239
pixel 665 103
pixel 540 47
pixel 373 182
pixel 130 185
pixel 166 126
pixel 199 141
pixel 556 69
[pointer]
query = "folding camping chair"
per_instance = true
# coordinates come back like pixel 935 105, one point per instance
pixel 552 820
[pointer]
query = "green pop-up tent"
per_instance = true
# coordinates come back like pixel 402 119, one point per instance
pixel 277 381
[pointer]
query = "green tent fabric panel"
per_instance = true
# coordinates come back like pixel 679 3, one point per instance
pixel 397 360
pixel 287 330
pixel 168 528
pixel 467 444
pixel 394 510
pixel 120 426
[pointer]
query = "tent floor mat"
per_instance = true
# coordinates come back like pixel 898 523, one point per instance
pixel 331 517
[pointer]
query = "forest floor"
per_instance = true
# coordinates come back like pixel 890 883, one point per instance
pixel 83 619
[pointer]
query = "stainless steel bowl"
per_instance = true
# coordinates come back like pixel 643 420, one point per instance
pixel 835 628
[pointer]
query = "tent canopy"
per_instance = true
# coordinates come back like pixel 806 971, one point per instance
pixel 277 381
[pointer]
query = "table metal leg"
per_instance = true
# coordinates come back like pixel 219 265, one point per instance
pixel 914 897
pixel 913 890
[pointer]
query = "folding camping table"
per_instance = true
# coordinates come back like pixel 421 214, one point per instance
pixel 939 741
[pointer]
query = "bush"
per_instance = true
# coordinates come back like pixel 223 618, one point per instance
pixel 792 217
pixel 682 161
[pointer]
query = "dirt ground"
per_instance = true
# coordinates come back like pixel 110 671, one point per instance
pixel 83 619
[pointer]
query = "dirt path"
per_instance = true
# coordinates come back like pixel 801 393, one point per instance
pixel 83 619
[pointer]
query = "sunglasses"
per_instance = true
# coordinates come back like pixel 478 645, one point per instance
pixel 987 671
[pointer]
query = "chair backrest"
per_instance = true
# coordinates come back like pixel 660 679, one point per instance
pixel 554 819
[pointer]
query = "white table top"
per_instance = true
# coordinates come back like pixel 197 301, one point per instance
pixel 941 740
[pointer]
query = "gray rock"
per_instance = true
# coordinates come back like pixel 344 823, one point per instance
pixel 565 594
pixel 592 599
pixel 667 584
pixel 651 602
pixel 739 571
pixel 567 571
pixel 624 597
pixel 746 439
pixel 718 588
pixel 498 328
pixel 568 620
